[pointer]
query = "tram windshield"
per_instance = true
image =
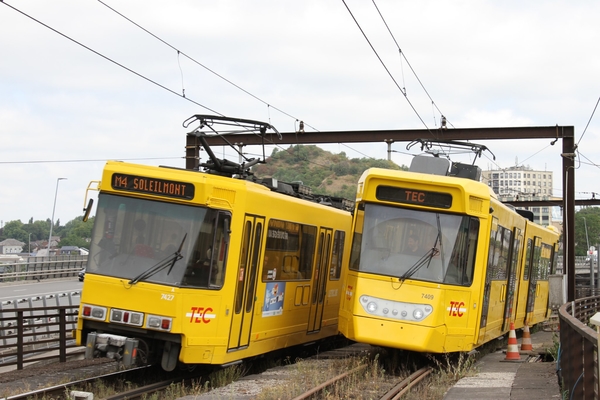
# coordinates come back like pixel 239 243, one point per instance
pixel 150 241
pixel 421 245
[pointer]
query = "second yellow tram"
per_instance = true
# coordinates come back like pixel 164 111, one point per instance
pixel 439 265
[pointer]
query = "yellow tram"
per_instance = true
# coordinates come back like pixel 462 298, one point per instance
pixel 439 265
pixel 190 267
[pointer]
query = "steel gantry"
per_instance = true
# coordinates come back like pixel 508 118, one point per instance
pixel 564 133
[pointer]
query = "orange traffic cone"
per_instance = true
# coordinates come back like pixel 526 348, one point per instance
pixel 512 352
pixel 526 343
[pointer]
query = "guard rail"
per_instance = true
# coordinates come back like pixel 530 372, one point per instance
pixel 578 361
pixel 36 268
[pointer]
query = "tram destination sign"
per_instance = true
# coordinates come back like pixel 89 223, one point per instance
pixel 413 196
pixel 161 187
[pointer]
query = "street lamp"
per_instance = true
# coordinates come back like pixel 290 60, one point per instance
pixel 53 208
pixel 586 234
pixel 30 244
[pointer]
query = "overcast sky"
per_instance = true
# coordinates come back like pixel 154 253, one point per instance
pixel 65 110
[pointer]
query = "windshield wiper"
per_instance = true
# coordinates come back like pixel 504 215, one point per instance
pixel 425 259
pixel 162 264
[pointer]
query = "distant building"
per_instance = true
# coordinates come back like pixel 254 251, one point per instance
pixel 73 250
pixel 11 246
pixel 54 241
pixel 523 183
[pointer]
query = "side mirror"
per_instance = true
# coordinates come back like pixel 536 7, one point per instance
pixel 87 210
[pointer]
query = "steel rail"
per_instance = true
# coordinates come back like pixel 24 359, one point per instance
pixel 330 382
pixel 400 389
pixel 59 390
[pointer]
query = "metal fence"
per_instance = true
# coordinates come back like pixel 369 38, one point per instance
pixel 578 359
pixel 36 268
pixel 40 333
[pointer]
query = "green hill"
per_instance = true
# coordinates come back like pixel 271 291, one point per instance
pixel 324 172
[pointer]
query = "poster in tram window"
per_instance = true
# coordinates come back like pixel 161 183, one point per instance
pixel 274 299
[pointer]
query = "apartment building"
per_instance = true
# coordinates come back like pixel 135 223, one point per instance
pixel 523 183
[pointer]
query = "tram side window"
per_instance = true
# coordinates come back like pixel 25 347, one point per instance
pixel 527 259
pixel 499 249
pixel 544 262
pixel 462 261
pixel 337 255
pixel 553 261
pixel 289 251
pixel 536 261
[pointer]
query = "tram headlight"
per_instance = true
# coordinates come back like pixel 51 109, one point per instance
pixel 371 307
pixel 418 314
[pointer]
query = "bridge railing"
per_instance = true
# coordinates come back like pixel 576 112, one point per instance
pixel 35 268
pixel 578 359
pixel 36 334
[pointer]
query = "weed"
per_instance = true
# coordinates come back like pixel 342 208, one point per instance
pixel 553 351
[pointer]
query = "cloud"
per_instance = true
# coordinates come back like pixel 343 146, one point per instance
pixel 483 63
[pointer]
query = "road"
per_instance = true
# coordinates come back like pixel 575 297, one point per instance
pixel 12 291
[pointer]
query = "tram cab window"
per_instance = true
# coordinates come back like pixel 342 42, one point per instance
pixel 420 245
pixel 289 251
pixel 157 241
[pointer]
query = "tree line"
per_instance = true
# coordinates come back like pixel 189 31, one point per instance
pixel 73 233
pixel 333 174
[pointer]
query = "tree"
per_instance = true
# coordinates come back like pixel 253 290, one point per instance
pixel 74 233
pixel 15 230
pixel 39 230
pixel 587 217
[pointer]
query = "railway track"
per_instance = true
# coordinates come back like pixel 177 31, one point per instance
pixel 57 391
pixel 394 393
pixel 362 379
pixel 405 385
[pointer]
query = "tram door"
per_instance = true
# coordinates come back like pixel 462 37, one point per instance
pixel 245 290
pixel 319 284
pixel 513 279
pixel 524 284
pixel 533 279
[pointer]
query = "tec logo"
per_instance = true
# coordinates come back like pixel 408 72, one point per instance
pixel 201 315
pixel 456 309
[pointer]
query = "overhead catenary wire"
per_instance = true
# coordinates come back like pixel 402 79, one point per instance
pixel 88 160
pixel 180 52
pixel 181 95
pixel 385 67
pixel 109 59
pixel 408 63
pixel 403 56
pixel 589 120
pixel 201 65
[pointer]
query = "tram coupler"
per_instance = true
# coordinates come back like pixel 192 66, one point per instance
pixel 117 347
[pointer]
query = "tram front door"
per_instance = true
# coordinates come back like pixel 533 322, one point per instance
pixel 245 291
